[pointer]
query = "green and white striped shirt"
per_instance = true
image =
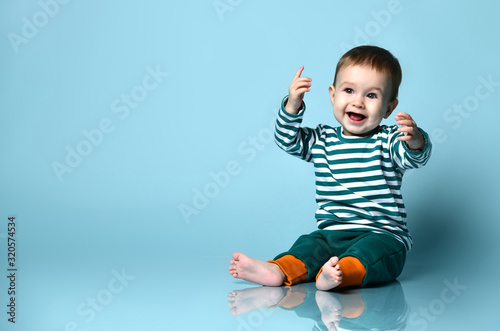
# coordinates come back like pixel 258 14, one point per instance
pixel 358 179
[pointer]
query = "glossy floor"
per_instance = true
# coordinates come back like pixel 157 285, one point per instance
pixel 201 295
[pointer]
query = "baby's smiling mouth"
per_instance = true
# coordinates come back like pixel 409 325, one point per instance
pixel 355 116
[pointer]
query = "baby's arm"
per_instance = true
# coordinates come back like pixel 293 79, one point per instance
pixel 289 135
pixel 296 91
pixel 413 138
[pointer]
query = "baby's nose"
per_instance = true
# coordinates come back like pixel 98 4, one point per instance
pixel 357 102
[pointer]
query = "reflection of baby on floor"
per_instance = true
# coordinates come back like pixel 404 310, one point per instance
pixel 380 308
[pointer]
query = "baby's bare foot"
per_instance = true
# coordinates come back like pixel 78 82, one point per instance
pixel 331 275
pixel 256 271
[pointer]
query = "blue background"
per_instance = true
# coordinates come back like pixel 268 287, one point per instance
pixel 190 175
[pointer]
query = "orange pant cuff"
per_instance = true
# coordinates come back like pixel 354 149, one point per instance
pixel 353 272
pixel 294 269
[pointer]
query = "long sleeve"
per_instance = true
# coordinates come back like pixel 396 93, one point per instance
pixel 290 137
pixel 404 158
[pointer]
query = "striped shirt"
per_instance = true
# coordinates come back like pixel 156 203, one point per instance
pixel 358 179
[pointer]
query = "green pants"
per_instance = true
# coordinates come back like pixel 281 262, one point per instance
pixel 382 255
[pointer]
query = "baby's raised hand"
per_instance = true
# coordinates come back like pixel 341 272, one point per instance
pixel 412 136
pixel 296 91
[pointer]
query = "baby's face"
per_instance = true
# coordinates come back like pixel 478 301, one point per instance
pixel 360 99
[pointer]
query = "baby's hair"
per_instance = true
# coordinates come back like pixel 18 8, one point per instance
pixel 377 58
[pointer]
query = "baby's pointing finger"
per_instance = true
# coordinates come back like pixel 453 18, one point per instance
pixel 299 72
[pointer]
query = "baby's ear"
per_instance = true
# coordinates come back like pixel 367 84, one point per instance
pixel 390 107
pixel 331 91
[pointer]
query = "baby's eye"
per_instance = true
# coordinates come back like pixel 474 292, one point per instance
pixel 372 95
pixel 349 90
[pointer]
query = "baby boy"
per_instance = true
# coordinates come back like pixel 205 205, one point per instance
pixel 362 236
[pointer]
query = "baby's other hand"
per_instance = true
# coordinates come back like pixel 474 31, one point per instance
pixel 413 138
pixel 296 91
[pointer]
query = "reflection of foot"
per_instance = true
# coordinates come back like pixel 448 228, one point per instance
pixel 243 301
pixel 331 275
pixel 256 271
pixel 353 304
pixel 331 310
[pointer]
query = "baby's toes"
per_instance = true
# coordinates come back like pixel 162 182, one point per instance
pixel 334 260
